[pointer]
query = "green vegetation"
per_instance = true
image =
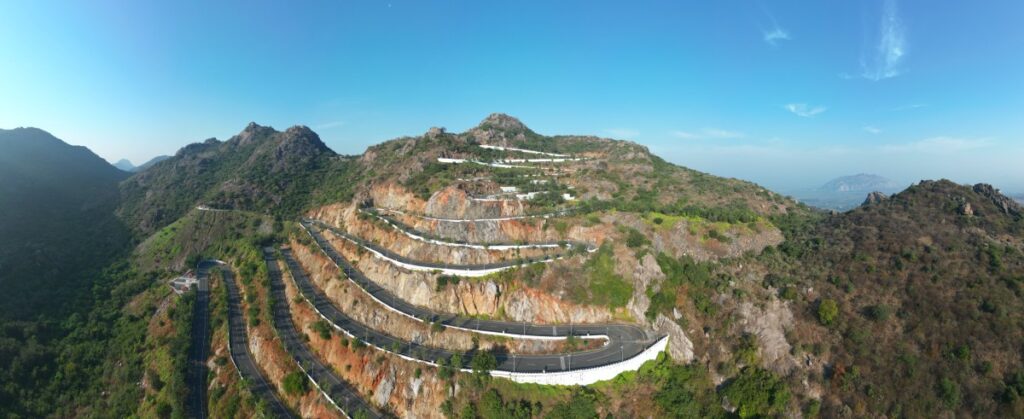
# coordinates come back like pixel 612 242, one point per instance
pixel 828 312
pixel 264 178
pixel 757 393
pixel 681 274
pixel 322 328
pixel 295 383
pixel 605 287
pixel 687 392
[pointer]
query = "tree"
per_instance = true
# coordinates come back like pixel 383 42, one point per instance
pixel 582 405
pixel 483 362
pixel 687 393
pixel 828 312
pixel 757 393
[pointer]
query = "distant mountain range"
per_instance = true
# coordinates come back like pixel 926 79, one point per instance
pixel 860 183
pixel 127 166
pixel 846 192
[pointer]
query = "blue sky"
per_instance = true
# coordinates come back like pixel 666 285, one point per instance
pixel 784 93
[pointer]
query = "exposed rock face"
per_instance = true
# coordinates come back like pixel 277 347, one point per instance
pixel 369 373
pixel 679 346
pixel 769 325
pixel 382 393
pixel 1007 205
pixel 452 202
pixel 471 296
pixel 647 274
pixel 966 210
pixel 875 198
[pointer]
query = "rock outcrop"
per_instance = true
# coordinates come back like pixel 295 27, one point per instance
pixel 875 197
pixel 680 348
pixel 1007 205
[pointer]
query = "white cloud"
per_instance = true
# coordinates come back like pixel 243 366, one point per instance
pixel 708 134
pixel 910 106
pixel 804 110
pixel 872 129
pixel 887 59
pixel 775 35
pixel 622 132
pixel 329 125
pixel 941 145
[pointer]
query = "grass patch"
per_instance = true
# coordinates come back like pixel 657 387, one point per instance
pixel 605 287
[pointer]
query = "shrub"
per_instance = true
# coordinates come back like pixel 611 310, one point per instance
pixel 295 383
pixel 828 312
pixel 878 312
pixel 687 393
pixel 757 393
pixel 635 239
pixel 322 328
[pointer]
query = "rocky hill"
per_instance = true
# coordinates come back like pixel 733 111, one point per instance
pixel 910 306
pixel 260 169
pixel 907 305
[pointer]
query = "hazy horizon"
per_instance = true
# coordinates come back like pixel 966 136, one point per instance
pixel 785 94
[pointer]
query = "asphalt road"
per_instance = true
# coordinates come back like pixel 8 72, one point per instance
pixel 624 341
pixel 434 265
pixel 398 225
pixel 341 392
pixel 199 349
pixel 240 355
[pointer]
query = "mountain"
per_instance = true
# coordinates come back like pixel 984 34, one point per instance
pixel 57 202
pixel 149 163
pixel 59 233
pixel 909 304
pixel 125 165
pixel 860 183
pixel 846 192
pixel 260 169
pixel 927 285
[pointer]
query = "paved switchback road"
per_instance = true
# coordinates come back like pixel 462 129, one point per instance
pixel 624 341
pixel 340 392
pixel 470 270
pixel 239 348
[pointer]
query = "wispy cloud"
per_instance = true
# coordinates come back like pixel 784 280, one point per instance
pixel 872 130
pixel 804 110
pixel 775 35
pixel 622 132
pixel 939 145
pixel 886 61
pixel 708 133
pixel 910 106
pixel 329 125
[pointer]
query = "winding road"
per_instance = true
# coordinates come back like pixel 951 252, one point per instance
pixel 238 345
pixel 624 341
pixel 339 392
pixel 445 268
pixel 424 237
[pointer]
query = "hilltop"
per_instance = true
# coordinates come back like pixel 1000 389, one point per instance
pixel 912 303
pixel 260 169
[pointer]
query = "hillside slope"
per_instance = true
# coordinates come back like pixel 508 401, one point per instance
pixel 259 169
pixel 57 202
pixel 913 303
